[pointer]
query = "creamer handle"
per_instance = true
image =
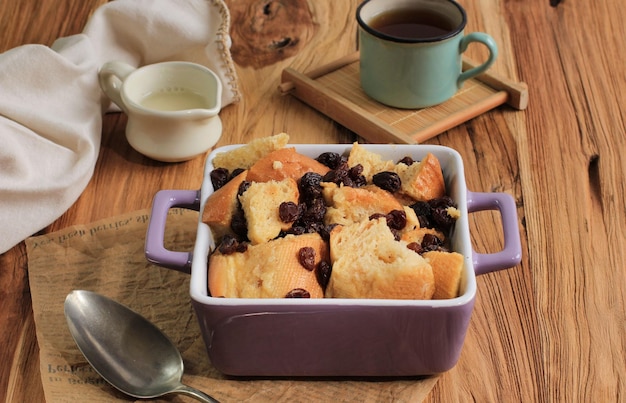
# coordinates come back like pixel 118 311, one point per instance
pixel 111 76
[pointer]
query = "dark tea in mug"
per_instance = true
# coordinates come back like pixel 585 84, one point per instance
pixel 410 51
pixel 412 24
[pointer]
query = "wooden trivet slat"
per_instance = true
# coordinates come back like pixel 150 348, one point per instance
pixel 335 90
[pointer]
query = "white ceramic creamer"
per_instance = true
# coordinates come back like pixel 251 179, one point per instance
pixel 172 107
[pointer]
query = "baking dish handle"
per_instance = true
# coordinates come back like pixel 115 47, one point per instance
pixel 155 252
pixel 511 254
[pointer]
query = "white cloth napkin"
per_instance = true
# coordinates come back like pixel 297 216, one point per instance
pixel 51 105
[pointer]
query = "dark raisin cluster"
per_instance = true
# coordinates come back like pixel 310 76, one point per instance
pixel 340 173
pixel 308 215
pixel 430 242
pixel 331 160
pixel 221 176
pixel 434 213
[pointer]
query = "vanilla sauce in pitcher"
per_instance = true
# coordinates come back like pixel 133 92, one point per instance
pixel 174 100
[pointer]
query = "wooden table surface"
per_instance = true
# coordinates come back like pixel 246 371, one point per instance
pixel 551 329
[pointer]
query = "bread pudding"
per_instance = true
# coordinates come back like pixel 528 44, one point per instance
pixel 336 226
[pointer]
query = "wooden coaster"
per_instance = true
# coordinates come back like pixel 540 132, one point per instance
pixel 335 90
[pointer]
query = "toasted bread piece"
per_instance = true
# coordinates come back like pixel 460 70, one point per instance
pixel 347 205
pixel 422 180
pixel 284 163
pixel 221 205
pixel 372 162
pixel 268 270
pixel 261 204
pixel 447 269
pixel 245 156
pixel 417 235
pixel 367 262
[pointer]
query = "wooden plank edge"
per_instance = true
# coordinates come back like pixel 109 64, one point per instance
pixel 461 116
pixel 518 91
pixel 343 112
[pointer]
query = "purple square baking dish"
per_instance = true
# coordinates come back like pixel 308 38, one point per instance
pixel 337 337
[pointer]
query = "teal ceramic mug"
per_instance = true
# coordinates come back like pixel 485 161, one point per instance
pixel 411 51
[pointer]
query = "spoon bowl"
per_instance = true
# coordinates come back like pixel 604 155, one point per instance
pixel 128 351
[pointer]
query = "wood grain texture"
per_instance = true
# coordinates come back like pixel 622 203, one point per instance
pixel 549 330
pixel 267 31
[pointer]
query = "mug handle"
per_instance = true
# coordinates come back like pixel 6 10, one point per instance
pixel 486 40
pixel 111 76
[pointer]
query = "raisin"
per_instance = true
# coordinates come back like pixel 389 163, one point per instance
pixel 243 186
pixel 431 242
pixel 235 173
pixel 315 226
pixel 230 244
pixel 424 222
pixel 356 170
pixel 323 272
pixel 442 202
pixel 290 211
pixel 315 212
pixel 347 181
pixel 339 175
pixel 335 176
pixel 396 219
pixel 343 165
pixel 407 160
pixel 326 230
pixel 387 180
pixel 298 293
pixel 295 230
pixel 376 216
pixel 442 220
pixel 306 257
pixel 330 159
pixel 219 177
pixel 356 176
pixel 359 181
pixel 310 179
pixel 421 208
pixel 309 186
pixel 239 224
pixel 415 247
pixel 423 211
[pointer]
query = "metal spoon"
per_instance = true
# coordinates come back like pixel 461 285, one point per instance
pixel 127 350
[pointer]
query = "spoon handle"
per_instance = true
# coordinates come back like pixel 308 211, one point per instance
pixel 195 393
